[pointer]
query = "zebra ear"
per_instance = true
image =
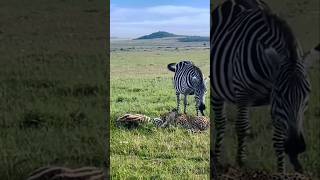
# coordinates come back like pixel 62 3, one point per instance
pixel 195 80
pixel 273 57
pixel 311 56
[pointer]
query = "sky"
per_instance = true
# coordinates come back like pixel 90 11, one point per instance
pixel 135 18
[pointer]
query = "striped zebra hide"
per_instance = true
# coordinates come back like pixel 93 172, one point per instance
pixel 132 120
pixel 63 173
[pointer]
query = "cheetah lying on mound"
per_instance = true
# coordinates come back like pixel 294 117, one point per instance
pixel 192 123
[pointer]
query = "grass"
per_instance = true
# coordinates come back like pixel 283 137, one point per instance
pixel 52 73
pixel 141 83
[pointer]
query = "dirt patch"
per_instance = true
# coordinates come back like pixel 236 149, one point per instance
pixel 233 173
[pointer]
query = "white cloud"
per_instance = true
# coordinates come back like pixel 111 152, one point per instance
pixel 133 22
pixel 175 10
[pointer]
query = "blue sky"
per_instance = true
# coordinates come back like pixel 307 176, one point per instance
pixel 134 18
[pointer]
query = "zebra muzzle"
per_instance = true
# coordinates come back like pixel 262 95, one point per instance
pixel 296 164
pixel 202 107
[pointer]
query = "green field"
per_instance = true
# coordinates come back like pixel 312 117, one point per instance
pixel 52 90
pixel 141 83
pixel 303 18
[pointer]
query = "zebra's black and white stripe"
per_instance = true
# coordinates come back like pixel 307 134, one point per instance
pixel 188 80
pixel 255 61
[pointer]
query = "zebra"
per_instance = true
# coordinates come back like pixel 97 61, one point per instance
pixel 188 80
pixel 255 60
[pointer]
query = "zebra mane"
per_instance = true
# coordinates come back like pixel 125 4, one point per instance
pixel 251 4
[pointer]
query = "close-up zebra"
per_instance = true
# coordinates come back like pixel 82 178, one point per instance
pixel 188 80
pixel 255 61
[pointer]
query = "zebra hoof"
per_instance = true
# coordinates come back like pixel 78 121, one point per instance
pixel 241 163
pixel 157 122
pixel 299 170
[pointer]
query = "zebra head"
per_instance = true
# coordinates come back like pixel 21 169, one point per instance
pixel 289 101
pixel 176 67
pixel 200 92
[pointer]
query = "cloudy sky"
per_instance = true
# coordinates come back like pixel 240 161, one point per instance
pixel 134 18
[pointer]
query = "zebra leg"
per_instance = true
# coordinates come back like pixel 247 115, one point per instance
pixel 197 105
pixel 278 144
pixel 185 102
pixel 178 102
pixel 219 125
pixel 242 128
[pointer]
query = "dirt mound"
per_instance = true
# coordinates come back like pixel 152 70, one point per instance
pixel 231 173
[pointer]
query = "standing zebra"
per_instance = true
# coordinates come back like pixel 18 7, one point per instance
pixel 255 61
pixel 188 80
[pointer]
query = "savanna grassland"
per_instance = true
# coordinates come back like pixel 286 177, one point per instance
pixel 141 83
pixel 52 85
pixel 303 17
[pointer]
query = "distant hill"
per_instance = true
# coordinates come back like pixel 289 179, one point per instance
pixel 194 39
pixel 181 38
pixel 159 34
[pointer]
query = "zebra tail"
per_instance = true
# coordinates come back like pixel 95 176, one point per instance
pixel 172 67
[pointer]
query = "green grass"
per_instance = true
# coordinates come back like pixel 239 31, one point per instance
pixel 141 83
pixel 52 74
